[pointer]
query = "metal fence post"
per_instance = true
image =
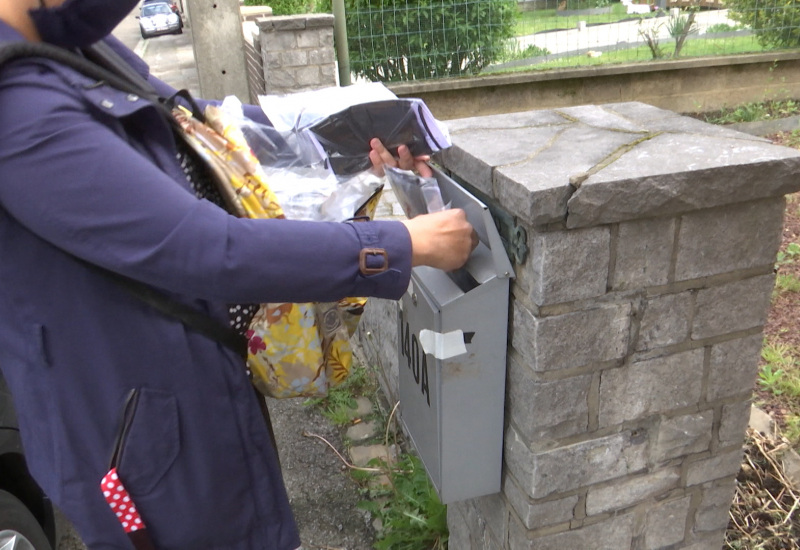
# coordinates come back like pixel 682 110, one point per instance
pixel 340 42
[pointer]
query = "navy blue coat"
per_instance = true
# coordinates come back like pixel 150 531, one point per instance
pixel 89 172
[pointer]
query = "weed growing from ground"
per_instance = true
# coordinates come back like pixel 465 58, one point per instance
pixel 770 378
pixel 790 139
pixel 410 512
pixel 780 376
pixel 340 402
pixel 788 255
pixel 787 283
pixel 754 111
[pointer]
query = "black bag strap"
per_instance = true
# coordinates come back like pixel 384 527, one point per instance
pixel 103 64
pixel 189 316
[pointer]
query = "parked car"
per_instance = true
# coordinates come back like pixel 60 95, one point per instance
pixel 172 4
pixel 27 520
pixel 158 18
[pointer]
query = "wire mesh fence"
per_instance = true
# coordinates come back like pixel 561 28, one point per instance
pixel 396 40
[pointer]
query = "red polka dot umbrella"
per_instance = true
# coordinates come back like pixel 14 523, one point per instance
pixel 121 504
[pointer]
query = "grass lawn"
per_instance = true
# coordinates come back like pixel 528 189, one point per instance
pixel 693 47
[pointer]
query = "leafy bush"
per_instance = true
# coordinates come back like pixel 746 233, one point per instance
pixel 284 7
pixel 718 28
pixel 393 40
pixel 513 52
pixel 775 22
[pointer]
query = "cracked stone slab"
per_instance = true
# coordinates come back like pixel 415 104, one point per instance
pixel 675 173
pixel 688 125
pixel 528 119
pixel 640 112
pixel 475 155
pixel 599 117
pixel 538 188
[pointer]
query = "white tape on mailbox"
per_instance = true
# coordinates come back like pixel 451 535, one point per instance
pixel 442 345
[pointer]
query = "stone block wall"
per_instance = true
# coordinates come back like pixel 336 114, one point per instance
pixel 635 327
pixel 297 52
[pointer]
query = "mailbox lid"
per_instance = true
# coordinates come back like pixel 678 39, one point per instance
pixel 481 219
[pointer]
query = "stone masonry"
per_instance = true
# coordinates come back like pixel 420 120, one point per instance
pixel 297 52
pixel 635 326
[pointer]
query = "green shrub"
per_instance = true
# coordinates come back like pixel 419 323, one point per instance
pixel 284 7
pixel 775 22
pixel 393 40
pixel 722 27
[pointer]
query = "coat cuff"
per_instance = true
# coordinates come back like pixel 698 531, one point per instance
pixel 384 260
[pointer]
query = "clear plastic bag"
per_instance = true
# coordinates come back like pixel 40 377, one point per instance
pixel 416 195
pixel 298 177
pixel 335 125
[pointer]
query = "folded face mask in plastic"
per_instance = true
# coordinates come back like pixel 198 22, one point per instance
pixel 344 137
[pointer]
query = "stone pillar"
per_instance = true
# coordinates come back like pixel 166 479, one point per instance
pixel 636 322
pixel 297 52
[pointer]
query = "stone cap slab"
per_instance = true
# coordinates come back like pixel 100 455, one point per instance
pixel 295 22
pixel 599 164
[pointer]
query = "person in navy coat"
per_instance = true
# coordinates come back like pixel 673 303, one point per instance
pixel 90 175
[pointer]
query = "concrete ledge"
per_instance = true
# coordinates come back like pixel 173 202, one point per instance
pixel 767 127
pixel 251 13
pixel 681 85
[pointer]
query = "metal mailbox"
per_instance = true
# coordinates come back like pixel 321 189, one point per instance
pixel 452 360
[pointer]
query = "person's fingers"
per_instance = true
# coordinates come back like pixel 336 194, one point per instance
pixel 405 159
pixel 380 155
pixel 377 163
pixel 384 154
pixel 422 167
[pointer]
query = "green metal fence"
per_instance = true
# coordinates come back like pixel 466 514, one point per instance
pixel 396 40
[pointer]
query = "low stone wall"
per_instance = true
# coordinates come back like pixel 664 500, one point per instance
pixel 296 52
pixel 636 322
pixel 680 85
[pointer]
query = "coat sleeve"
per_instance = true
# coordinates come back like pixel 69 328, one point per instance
pixel 80 186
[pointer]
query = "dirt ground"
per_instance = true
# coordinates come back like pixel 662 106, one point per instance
pixel 784 315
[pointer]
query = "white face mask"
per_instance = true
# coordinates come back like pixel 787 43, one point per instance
pixel 80 23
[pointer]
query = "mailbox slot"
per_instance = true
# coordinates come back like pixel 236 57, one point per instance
pixel 452 360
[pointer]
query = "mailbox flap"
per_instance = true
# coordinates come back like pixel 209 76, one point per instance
pixel 481 219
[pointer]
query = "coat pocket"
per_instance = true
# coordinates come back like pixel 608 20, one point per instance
pixel 148 441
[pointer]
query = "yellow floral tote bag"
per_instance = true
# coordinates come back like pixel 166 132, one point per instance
pixel 295 350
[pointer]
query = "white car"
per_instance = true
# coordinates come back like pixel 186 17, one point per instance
pixel 158 18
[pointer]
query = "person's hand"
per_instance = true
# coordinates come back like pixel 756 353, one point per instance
pixel 380 155
pixel 443 240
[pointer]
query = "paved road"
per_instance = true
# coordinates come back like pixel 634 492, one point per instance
pixel 128 31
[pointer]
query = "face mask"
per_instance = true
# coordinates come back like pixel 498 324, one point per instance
pixel 80 23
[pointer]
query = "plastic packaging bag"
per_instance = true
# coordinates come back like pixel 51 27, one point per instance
pixel 298 177
pixel 335 125
pixel 416 195
pixel 295 349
